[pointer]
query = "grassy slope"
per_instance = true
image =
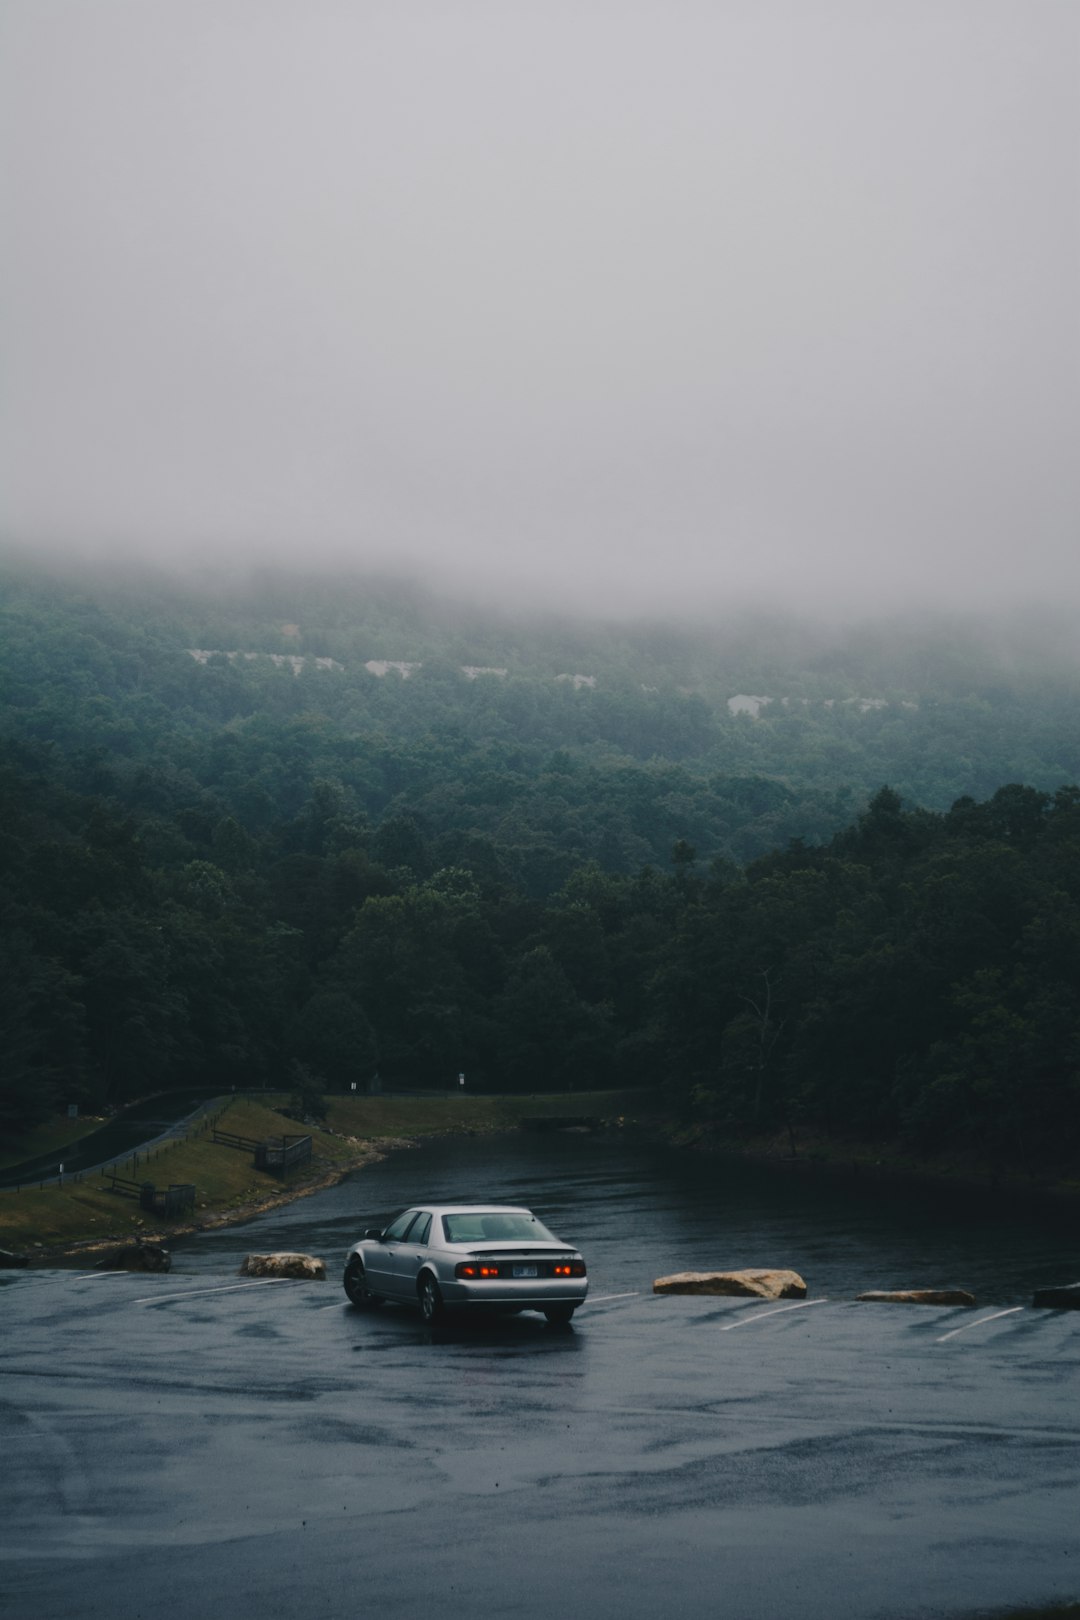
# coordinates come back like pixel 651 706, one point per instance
pixel 425 1116
pixel 224 1179
pixel 227 1185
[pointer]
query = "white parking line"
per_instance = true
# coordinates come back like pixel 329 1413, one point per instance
pixel 92 1276
pixel 192 1293
pixel 978 1323
pixel 759 1316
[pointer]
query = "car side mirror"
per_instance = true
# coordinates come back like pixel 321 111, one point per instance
pixel 373 1234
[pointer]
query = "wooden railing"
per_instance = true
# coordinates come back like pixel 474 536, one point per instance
pixel 169 1201
pixel 275 1154
pixel 280 1154
pixel 246 1144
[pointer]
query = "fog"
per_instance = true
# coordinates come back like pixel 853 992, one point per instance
pixel 617 304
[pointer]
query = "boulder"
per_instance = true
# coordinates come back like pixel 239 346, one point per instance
pixel 918 1296
pixel 9 1261
pixel 303 1266
pixel 752 1284
pixel 136 1256
pixel 1066 1298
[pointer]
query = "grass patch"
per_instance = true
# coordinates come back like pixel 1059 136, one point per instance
pixel 226 1180
pixel 373 1117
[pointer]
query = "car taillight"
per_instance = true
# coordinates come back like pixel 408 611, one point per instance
pixel 569 1268
pixel 473 1271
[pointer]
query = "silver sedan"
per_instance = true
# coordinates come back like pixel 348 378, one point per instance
pixel 484 1256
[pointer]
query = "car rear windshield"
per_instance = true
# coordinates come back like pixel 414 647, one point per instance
pixel 504 1228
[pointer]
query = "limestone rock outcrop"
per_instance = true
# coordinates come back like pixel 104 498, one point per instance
pixel 1066 1298
pixel 764 1284
pixel 304 1267
pixel 918 1296
pixel 135 1256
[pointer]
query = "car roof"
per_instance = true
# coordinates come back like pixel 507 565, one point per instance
pixel 473 1209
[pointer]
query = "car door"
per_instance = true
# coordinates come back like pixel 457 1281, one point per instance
pixel 410 1254
pixel 380 1258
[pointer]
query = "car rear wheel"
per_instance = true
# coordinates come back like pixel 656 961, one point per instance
pixel 559 1315
pixel 431 1300
pixel 356 1286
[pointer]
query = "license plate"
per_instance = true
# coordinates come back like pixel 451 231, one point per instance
pixel 525 1271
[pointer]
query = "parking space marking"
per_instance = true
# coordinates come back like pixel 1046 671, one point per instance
pixel 193 1293
pixel 967 1326
pixel 64 1279
pixel 759 1316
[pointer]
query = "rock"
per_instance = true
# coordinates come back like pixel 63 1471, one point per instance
pixel 10 1262
pixel 919 1296
pixel 136 1256
pixel 755 1284
pixel 1066 1298
pixel 284 1265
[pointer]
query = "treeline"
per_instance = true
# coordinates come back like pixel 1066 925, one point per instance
pixel 226 874
pixel 917 976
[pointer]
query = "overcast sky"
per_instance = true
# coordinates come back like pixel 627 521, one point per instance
pixel 629 302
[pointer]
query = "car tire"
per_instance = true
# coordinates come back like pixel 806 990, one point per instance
pixel 431 1300
pixel 559 1315
pixel 356 1287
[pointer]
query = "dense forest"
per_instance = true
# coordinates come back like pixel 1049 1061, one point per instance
pixel 238 848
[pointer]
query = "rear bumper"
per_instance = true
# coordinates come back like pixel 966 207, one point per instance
pixel 531 1293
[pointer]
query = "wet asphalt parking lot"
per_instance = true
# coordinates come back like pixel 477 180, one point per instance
pixel 218 1446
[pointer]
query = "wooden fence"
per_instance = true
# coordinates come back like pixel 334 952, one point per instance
pixel 169 1201
pixel 275 1154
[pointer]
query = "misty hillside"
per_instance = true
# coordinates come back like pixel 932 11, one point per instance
pixel 285 868
pixel 527 730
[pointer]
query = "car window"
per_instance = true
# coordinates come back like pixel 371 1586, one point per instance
pixel 495 1227
pixel 400 1225
pixel 418 1232
pixel 462 1228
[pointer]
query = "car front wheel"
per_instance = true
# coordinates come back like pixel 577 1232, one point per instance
pixel 431 1301
pixel 356 1286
